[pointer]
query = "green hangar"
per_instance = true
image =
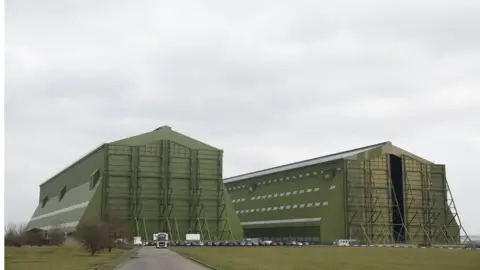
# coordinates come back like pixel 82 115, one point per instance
pixel 378 194
pixel 160 181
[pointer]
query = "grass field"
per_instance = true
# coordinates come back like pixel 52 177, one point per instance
pixel 61 258
pixel 327 258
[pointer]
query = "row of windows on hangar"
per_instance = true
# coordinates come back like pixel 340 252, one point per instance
pixel 281 179
pixel 275 195
pixel 94 178
pixel 282 207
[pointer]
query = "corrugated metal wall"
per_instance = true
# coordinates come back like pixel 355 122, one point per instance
pixel 380 198
pixel 303 233
pixel 75 175
pixel 167 187
pixel 428 216
pixel 369 202
pixel 424 216
pixel 66 211
pixel 280 205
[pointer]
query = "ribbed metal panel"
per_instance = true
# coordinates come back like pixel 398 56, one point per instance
pixel 167 187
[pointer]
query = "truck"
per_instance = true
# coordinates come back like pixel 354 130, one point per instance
pixel 160 239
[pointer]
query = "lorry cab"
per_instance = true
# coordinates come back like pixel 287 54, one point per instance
pixel 160 239
pixel 159 244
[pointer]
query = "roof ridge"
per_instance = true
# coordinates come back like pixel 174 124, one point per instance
pixel 163 127
pixel 310 159
pixel 198 141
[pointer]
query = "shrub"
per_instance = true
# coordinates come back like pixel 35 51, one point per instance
pixel 56 237
pixel 34 238
pixel 92 236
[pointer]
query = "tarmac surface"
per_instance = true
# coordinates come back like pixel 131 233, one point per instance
pixel 151 258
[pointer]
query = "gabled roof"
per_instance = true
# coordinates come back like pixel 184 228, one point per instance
pixel 380 148
pixel 160 133
pixel 164 133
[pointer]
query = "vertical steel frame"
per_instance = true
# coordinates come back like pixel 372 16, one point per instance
pixel 430 211
pixel 137 183
pixel 369 202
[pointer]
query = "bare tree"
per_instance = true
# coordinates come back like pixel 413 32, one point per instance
pixel 115 228
pixel 10 232
pixel 15 234
pixel 92 236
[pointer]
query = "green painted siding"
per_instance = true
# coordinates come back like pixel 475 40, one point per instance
pixel 333 221
pixel 69 209
pixel 158 181
pixel 58 220
pixel 166 186
pixel 364 203
pixel 164 133
pixel 92 212
pixel 428 215
pixel 306 193
pixel 369 202
pixel 305 232
pixel 76 175
pixel 232 217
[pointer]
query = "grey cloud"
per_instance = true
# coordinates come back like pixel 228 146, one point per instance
pixel 270 83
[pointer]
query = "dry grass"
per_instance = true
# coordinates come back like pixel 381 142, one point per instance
pixel 327 258
pixel 61 258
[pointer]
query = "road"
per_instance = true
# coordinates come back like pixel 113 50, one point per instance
pixel 151 258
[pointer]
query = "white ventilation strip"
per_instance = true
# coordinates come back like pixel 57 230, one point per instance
pixel 60 211
pixel 61 226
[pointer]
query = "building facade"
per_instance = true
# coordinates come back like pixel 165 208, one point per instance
pixel 374 194
pixel 156 181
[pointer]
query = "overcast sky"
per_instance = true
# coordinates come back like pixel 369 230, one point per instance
pixel 270 82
